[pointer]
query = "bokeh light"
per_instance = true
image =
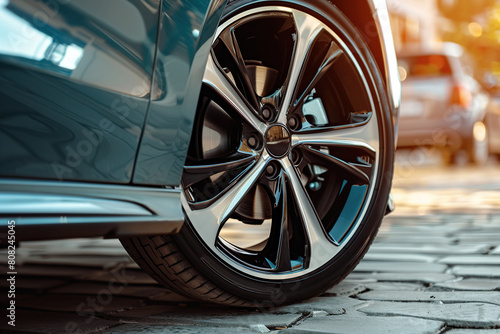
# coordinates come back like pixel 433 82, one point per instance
pixel 475 29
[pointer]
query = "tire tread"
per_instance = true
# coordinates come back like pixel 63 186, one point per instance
pixel 178 273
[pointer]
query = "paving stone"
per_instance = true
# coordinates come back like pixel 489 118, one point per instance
pixel 418 239
pixel 415 221
pixel 404 277
pixel 357 323
pixel 439 229
pixel 394 286
pixel 492 226
pixel 463 315
pixel 346 288
pixel 412 232
pixel 103 302
pixel 130 276
pixel 399 257
pixel 474 260
pixel 439 226
pixel 165 328
pixel 143 312
pixel 400 267
pixel 477 230
pixel 490 297
pixel 259 328
pixel 427 242
pixel 430 249
pixel 171 297
pixel 472 284
pixel 489 237
pixel 477 271
pixel 81 288
pixel 315 314
pixel 331 305
pixel 412 219
pixel 360 280
pixel 36 284
pixel 474 331
pixel 229 319
pixel 48 322
pixel 92 288
pixel 210 316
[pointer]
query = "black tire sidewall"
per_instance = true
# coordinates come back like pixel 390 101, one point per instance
pixel 275 292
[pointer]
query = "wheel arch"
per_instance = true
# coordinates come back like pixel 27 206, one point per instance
pixel 361 16
pixel 371 19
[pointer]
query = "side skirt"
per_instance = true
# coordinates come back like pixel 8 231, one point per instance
pixel 56 210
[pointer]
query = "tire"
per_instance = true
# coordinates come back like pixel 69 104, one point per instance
pixel 282 199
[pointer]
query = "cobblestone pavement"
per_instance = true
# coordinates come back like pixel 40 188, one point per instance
pixel 434 268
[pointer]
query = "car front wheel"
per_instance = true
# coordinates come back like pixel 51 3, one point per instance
pixel 290 164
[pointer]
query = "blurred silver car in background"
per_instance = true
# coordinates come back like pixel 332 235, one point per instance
pixel 443 106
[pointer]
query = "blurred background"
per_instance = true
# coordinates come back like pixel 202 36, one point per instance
pixel 449 133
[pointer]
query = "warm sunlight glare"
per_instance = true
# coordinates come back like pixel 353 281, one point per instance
pixel 475 29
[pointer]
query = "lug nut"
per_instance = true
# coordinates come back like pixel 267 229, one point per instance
pixel 296 157
pixel 267 113
pixel 270 169
pixel 293 123
pixel 253 141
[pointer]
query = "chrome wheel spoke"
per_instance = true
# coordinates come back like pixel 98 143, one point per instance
pixel 320 245
pixel 219 82
pixel 208 221
pixel 196 173
pixel 279 240
pixel 333 53
pixel 364 136
pixel 359 171
pixel 307 28
pixel 229 39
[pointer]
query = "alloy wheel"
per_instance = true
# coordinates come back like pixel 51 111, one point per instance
pixel 284 159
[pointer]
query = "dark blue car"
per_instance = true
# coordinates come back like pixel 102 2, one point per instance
pixel 242 151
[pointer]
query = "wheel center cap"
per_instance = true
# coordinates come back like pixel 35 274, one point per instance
pixel 277 141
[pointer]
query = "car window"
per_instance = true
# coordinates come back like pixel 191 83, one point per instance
pixel 425 65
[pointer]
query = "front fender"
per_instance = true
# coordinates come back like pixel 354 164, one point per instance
pixel 186 33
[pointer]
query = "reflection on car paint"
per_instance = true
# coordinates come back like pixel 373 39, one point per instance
pixel 84 40
pixel 75 80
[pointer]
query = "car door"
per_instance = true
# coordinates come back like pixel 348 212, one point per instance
pixel 75 86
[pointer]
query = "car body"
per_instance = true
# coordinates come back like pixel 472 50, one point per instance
pixel 87 136
pixel 443 106
pixel 98 102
